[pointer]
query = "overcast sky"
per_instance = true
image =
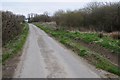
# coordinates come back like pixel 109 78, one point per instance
pixel 40 6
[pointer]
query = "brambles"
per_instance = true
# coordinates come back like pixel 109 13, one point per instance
pixel 14 32
pixel 11 26
pixel 95 17
pixel 13 46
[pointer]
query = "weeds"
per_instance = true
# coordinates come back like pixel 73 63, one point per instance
pixel 15 45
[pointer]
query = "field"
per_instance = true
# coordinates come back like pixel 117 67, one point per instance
pixel 72 41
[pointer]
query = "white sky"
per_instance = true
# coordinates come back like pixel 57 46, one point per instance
pixel 57 0
pixel 40 6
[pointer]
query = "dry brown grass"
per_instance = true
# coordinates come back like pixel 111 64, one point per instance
pixel 115 35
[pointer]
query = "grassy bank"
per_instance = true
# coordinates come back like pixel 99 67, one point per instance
pixel 15 45
pixel 106 42
pixel 67 38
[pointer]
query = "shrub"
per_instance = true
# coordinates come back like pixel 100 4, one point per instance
pixel 11 26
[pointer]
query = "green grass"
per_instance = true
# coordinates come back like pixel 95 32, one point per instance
pixel 67 38
pixel 106 42
pixel 15 45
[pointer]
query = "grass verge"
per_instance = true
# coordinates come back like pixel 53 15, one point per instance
pixel 106 42
pixel 94 58
pixel 15 45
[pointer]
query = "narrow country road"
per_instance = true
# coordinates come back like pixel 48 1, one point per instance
pixel 44 57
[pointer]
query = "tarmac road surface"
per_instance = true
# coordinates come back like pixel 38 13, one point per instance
pixel 44 57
